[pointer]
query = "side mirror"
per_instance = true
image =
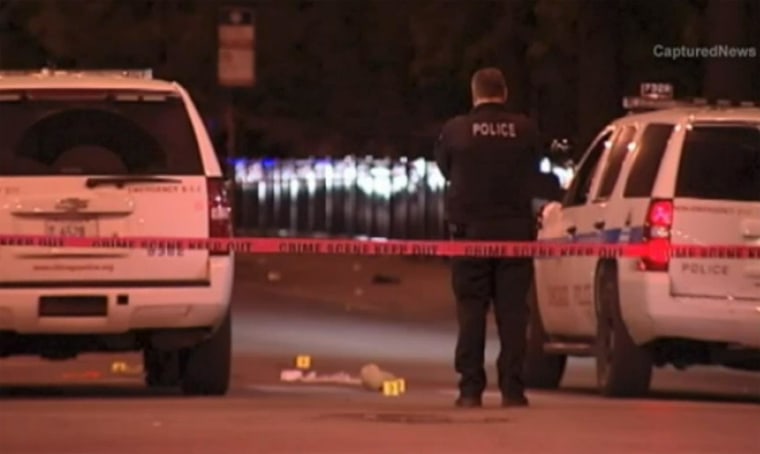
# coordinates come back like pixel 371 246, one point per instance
pixel 545 209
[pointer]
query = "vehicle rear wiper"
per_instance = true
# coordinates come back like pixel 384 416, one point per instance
pixel 120 182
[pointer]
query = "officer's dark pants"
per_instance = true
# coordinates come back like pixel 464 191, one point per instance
pixel 479 283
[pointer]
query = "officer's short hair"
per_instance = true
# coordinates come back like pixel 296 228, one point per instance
pixel 488 83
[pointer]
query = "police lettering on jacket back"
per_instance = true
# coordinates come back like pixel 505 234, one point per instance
pixel 503 129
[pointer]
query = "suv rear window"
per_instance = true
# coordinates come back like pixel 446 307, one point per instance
pixel 720 163
pixel 654 141
pixel 89 132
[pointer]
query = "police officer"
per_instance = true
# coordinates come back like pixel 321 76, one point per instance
pixel 491 160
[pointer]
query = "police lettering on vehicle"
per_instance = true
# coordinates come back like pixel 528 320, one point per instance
pixel 492 129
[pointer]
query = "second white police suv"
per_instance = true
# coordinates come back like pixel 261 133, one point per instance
pixel 670 172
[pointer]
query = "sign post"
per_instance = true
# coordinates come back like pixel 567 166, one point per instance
pixel 236 66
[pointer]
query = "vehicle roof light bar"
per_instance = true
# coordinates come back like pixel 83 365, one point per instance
pixel 658 96
pixel 635 103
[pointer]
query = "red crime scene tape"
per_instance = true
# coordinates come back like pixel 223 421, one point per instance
pixel 264 245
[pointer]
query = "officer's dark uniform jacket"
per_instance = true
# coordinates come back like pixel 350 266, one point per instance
pixel 491 159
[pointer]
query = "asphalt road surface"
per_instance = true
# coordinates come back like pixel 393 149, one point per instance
pixel 83 406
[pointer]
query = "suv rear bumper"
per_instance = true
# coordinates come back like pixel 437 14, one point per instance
pixel 651 312
pixel 147 307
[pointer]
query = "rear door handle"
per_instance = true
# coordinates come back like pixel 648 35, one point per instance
pixel 571 230
pixel 599 225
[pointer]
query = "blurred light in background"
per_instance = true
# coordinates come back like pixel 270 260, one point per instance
pixel 565 174
pixel 389 198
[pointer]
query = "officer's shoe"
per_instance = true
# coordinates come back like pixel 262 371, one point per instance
pixel 518 400
pixel 469 402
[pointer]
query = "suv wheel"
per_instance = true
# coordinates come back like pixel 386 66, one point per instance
pixel 206 366
pixel 623 369
pixel 541 370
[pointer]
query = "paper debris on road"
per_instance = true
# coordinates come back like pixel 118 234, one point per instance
pixel 298 376
pixel 370 377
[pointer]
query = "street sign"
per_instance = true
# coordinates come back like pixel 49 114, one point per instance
pixel 237 47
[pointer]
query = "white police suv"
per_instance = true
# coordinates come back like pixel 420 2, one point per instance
pixel 680 173
pixel 113 154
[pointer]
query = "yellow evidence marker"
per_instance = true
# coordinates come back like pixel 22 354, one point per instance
pixel 303 362
pixel 394 388
pixel 118 366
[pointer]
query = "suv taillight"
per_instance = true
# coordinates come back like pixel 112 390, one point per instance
pixel 219 210
pixel 657 236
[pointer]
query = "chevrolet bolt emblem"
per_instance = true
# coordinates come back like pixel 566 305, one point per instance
pixel 71 204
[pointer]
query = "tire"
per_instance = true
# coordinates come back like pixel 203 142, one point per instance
pixel 161 368
pixel 206 366
pixel 623 369
pixel 541 370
